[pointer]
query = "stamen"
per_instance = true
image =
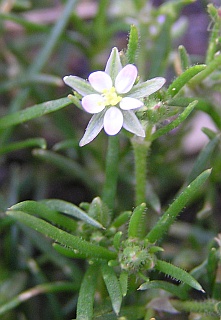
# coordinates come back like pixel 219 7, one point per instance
pixel 111 97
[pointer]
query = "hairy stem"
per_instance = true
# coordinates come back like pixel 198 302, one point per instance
pixel 111 174
pixel 141 148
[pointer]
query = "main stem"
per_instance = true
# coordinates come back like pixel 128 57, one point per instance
pixel 141 148
pixel 111 174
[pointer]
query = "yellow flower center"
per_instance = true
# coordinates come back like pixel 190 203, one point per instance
pixel 111 97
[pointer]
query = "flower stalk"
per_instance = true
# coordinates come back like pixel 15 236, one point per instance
pixel 141 148
pixel 111 174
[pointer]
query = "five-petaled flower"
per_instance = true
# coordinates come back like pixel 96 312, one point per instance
pixel 112 96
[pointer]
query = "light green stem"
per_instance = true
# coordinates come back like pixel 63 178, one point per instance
pixel 141 148
pixel 212 66
pixel 111 174
pixel 204 307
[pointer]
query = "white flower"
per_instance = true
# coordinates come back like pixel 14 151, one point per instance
pixel 112 96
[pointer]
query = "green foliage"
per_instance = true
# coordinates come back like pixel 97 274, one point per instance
pixel 123 229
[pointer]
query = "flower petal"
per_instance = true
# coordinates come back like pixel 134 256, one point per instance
pixel 113 65
pixel 128 103
pixel 100 80
pixel 145 89
pixel 82 86
pixel 93 103
pixel 113 121
pixel 132 124
pixel 94 127
pixel 126 78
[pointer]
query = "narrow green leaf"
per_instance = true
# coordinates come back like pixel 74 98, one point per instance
pixel 135 221
pixel 117 240
pixel 64 238
pixel 210 68
pixel 178 273
pixel 132 45
pixel 152 198
pixel 184 58
pixel 72 210
pixel 212 266
pixel 42 288
pixel 183 79
pixel 67 252
pixel 203 105
pixel 69 166
pixel 113 287
pixel 121 219
pixel 44 211
pixel 167 286
pixel 215 24
pixel 26 80
pixel 86 294
pixel 33 112
pixel 175 123
pixel 168 218
pixel 29 143
pixel 203 158
pixel 205 307
pixel 30 26
pixel 100 212
pixel 65 144
pixel 161 49
pixel 124 283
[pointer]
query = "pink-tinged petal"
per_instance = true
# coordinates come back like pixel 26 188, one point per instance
pixel 126 78
pixel 100 80
pixel 113 121
pixel 130 103
pixel 93 103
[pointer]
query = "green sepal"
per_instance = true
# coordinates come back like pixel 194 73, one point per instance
pixel 82 86
pixel 146 88
pixel 113 65
pixel 94 127
pixel 113 287
pixel 178 274
pixel 183 79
